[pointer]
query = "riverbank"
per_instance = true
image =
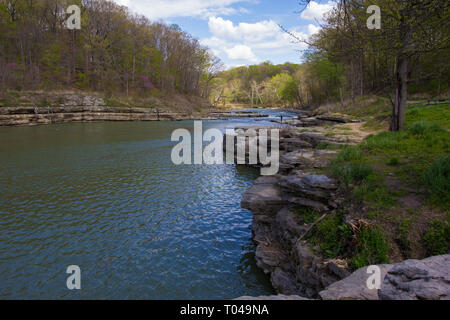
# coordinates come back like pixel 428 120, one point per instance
pixel 349 195
pixel 38 109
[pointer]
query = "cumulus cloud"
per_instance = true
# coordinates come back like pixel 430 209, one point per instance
pixel 163 9
pixel 316 11
pixel 246 42
pixel 313 29
pixel 244 31
pixel 241 52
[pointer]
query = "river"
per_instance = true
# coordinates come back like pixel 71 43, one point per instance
pixel 106 197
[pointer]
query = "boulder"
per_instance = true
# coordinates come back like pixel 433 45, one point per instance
pixel 309 186
pixel 264 197
pixel 354 287
pixel 427 279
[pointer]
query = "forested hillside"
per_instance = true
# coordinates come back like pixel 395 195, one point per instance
pixel 260 85
pixel 113 52
pixel 409 54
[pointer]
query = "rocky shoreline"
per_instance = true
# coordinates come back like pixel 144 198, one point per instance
pixel 297 271
pixel 77 108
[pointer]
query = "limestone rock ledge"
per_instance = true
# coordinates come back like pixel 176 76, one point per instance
pixel 75 108
pixel 294 268
pixel 427 279
pixel 280 251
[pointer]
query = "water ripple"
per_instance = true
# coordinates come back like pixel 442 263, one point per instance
pixel 106 197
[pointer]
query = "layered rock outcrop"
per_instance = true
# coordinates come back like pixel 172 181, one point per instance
pixel 280 231
pixel 79 108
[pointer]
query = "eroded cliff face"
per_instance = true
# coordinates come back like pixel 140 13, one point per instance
pixel 279 231
pixel 297 269
pixel 77 108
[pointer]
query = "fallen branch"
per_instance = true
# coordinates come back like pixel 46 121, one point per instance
pixel 311 226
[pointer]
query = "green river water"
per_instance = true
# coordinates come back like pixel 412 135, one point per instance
pixel 106 197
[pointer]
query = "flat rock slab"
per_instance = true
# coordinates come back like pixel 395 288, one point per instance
pixel 354 287
pixel 309 186
pixel 264 197
pixel 427 279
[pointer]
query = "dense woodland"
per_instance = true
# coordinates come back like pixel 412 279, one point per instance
pixel 410 54
pixel 122 53
pixel 113 52
pixel 259 85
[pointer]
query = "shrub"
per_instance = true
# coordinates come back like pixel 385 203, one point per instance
pixel 384 141
pixel 437 180
pixel 351 173
pixel 307 214
pixel 403 238
pixel 437 238
pixel 375 191
pixel 422 127
pixel 372 248
pixel 350 154
pixel 393 161
pixel 332 235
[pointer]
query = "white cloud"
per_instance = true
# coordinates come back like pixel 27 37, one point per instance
pixel 313 29
pixel 123 2
pixel 244 31
pixel 316 11
pixel 241 52
pixel 163 9
pixel 247 42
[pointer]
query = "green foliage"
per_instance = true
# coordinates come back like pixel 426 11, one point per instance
pixel 437 180
pixel 437 114
pixel 349 56
pixel 372 248
pixel 332 235
pixel 374 190
pixel 350 154
pixel 437 238
pixel 403 231
pixel 349 168
pixel 111 53
pixel 307 214
pixel 266 83
pixel 336 240
pixel 393 161
pixel 351 173
pixel 422 127
pixel 290 91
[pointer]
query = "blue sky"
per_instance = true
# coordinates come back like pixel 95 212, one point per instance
pixel 240 32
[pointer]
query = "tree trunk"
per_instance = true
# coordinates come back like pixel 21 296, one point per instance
pixel 401 95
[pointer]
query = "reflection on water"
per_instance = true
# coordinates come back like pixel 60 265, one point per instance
pixel 106 197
